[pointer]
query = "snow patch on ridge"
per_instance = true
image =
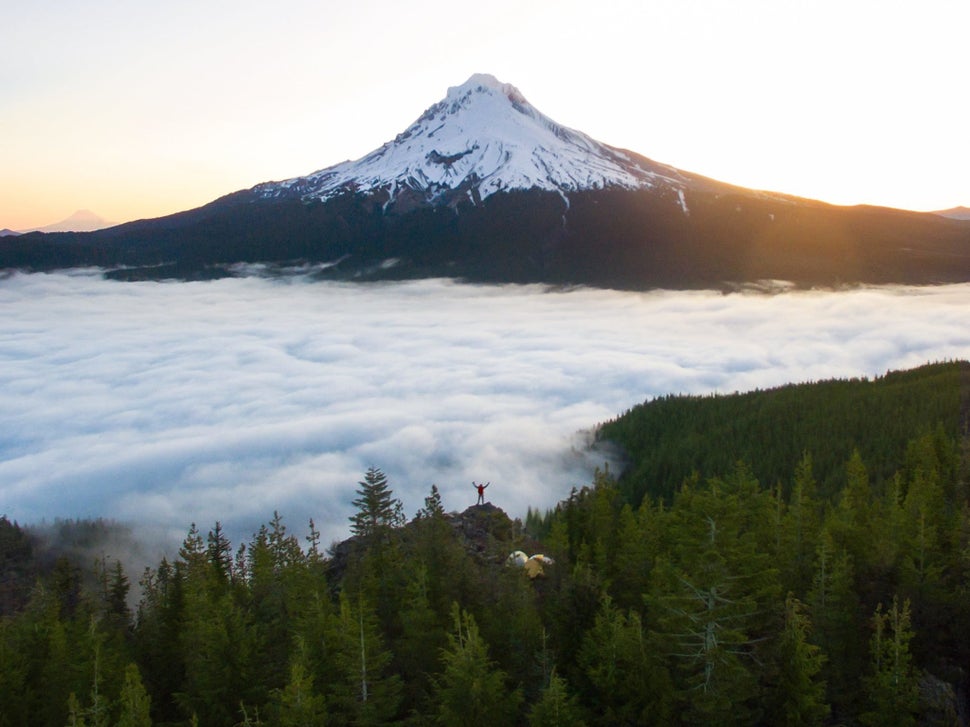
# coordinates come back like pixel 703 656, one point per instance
pixel 484 136
pixel 683 201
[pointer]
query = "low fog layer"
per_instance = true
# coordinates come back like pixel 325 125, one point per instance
pixel 162 404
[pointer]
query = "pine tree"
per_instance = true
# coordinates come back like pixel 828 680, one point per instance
pixel 556 707
pixel 116 599
pixel 851 523
pixel 377 508
pixel 376 569
pixel 96 714
pixel 627 684
pixel 219 553
pixel 432 505
pixel 436 560
pixel 135 702
pixel 314 556
pixel 639 532
pixel 471 690
pixel 925 523
pixel 799 694
pixel 193 553
pixel 317 634
pixel 65 585
pixel 418 648
pixel 60 666
pixel 219 654
pixel 839 627
pixel 800 529
pixel 157 636
pixel 75 715
pixel 360 690
pixel 714 599
pixel 276 565
pixel 892 688
pixel 298 703
pixel 513 631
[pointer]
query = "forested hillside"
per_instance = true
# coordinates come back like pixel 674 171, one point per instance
pixel 669 438
pixel 802 586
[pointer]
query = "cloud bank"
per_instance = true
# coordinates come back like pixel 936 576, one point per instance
pixel 162 404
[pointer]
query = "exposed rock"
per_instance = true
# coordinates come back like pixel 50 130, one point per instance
pixel 485 532
pixel 482 528
pixel 938 702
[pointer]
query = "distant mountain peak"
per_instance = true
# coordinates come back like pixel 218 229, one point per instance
pixel 483 137
pixel 80 221
pixel 956 213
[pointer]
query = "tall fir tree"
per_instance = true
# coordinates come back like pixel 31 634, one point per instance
pixel 556 706
pixel 361 690
pixel 298 704
pixel 800 530
pixel 625 680
pixel 892 688
pixel 797 696
pixel 135 704
pixel 471 690
pixel 377 508
pixel 713 601
pixel 839 625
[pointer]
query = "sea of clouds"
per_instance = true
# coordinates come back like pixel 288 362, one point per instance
pixel 162 404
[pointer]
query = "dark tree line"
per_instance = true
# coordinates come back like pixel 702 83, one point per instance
pixel 730 600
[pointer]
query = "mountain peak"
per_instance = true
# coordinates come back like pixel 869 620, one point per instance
pixel 482 81
pixel 485 83
pixel 81 221
pixel 483 137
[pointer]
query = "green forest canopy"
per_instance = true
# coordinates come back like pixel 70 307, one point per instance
pixel 670 438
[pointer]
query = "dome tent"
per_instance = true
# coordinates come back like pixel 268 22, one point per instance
pixel 533 565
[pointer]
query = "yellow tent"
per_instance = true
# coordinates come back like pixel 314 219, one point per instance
pixel 534 565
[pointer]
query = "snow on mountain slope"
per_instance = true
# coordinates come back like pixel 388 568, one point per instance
pixel 484 137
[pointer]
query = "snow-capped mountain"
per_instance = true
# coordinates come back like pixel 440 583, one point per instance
pixel 484 187
pixel 483 137
pixel 80 221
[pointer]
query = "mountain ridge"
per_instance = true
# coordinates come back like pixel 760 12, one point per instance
pixel 484 187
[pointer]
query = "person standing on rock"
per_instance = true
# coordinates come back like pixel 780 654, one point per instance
pixel 481 491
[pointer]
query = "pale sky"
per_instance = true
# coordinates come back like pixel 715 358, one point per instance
pixel 134 109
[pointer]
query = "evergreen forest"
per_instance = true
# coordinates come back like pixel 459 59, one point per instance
pixel 794 556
